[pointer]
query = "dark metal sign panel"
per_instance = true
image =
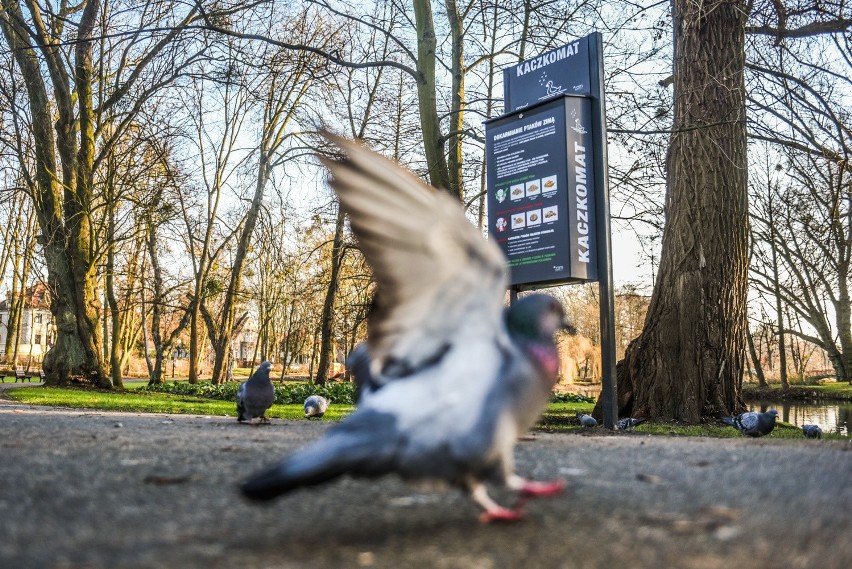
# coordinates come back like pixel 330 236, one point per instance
pixel 541 188
pixel 564 70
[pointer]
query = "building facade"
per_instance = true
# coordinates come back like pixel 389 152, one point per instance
pixel 36 333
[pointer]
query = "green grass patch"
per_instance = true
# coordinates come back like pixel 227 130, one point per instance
pixel 774 392
pixel 141 401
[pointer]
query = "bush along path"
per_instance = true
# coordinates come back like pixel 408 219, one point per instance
pixel 287 394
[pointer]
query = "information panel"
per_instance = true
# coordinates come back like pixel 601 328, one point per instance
pixel 541 205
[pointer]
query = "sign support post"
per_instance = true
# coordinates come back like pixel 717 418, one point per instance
pixel 609 393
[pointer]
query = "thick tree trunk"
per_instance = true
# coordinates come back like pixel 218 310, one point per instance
pixel 687 363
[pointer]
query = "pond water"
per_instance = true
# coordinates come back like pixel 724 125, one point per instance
pixel 831 416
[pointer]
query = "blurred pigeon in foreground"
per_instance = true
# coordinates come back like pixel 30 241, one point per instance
pixel 255 395
pixel 752 423
pixel 452 380
pixel 315 406
pixel 587 420
pixel 629 423
pixel 812 431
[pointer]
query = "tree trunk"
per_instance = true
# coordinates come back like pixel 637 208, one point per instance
pixel 433 142
pixel 782 350
pixel 755 359
pixel 327 318
pixel 454 138
pixel 687 363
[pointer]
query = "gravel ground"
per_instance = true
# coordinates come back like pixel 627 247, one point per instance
pixel 91 489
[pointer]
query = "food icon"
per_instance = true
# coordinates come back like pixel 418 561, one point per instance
pixel 519 221
pixel 549 184
pixel 517 191
pixel 550 213
pixel 534 217
pixel 533 188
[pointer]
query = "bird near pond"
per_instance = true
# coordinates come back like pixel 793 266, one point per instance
pixel 752 423
pixel 812 431
pixel 448 379
pixel 587 420
pixel 629 423
pixel 315 406
pixel 255 396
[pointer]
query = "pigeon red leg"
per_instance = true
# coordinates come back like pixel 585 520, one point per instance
pixel 494 512
pixel 534 489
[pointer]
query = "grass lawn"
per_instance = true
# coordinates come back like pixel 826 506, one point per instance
pixel 773 391
pixel 558 417
pixel 130 400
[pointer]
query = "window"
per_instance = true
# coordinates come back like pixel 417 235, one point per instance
pixel 38 338
pixel 38 320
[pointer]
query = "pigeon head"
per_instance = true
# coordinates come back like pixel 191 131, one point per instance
pixel 537 317
pixel 773 413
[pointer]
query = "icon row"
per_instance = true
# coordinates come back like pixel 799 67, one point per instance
pixel 528 218
pixel 527 189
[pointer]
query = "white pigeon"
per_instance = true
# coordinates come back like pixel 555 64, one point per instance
pixel 448 381
pixel 315 406
pixel 587 420
pixel 256 395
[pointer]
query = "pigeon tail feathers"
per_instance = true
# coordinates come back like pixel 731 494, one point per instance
pixel 365 447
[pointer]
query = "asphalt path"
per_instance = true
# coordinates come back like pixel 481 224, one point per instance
pixel 91 489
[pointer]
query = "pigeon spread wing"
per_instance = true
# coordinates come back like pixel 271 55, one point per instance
pixel 431 265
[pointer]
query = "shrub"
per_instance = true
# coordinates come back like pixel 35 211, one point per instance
pixel 288 393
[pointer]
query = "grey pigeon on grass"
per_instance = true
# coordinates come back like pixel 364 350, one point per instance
pixel 449 380
pixel 587 420
pixel 255 396
pixel 752 423
pixel 629 423
pixel 315 406
pixel 812 431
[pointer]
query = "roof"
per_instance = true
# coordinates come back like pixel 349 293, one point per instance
pixel 35 296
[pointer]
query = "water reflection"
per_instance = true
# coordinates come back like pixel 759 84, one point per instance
pixel 831 416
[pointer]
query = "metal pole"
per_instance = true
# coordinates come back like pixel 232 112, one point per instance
pixel 609 395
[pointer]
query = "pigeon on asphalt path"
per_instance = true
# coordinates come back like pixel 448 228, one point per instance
pixel 629 423
pixel 812 431
pixel 315 406
pixel 255 396
pixel 587 420
pixel 453 379
pixel 752 423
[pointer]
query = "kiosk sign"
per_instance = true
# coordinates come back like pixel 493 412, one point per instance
pixel 541 184
pixel 563 70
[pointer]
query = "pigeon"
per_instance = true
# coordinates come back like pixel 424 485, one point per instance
pixel 315 406
pixel 449 379
pixel 812 431
pixel 358 363
pixel 255 395
pixel 629 423
pixel 587 420
pixel 752 423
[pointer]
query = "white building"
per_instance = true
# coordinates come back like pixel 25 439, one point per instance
pixel 37 332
